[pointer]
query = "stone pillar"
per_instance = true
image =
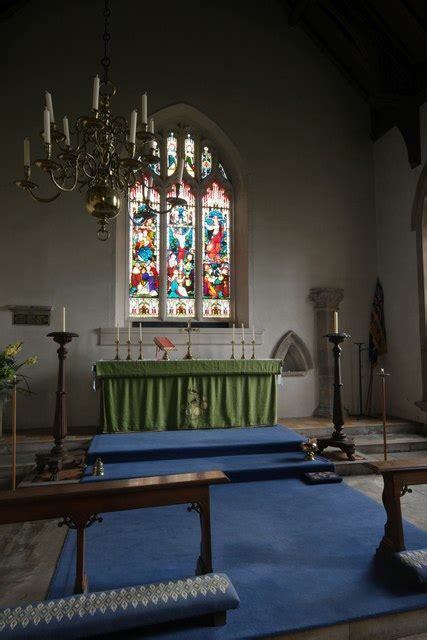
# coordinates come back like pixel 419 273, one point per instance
pixel 326 300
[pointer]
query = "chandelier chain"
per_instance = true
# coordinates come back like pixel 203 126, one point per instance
pixel 106 38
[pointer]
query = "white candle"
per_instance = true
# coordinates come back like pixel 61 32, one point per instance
pixel 129 331
pixel 140 332
pixel 243 332
pixel 46 119
pixel 27 152
pixel 180 170
pixel 151 125
pixel 66 131
pixel 132 134
pixel 234 329
pixel 144 108
pixel 253 333
pixel 63 319
pixel 335 322
pixel 49 106
pixel 118 333
pixel 95 93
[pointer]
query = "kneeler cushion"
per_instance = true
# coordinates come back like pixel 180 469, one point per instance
pixel 85 615
pixel 321 477
pixel 412 566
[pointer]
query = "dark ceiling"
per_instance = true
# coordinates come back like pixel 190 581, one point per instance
pixel 380 46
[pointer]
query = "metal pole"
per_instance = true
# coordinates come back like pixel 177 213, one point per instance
pixel 383 376
pixel 359 345
pixel 13 483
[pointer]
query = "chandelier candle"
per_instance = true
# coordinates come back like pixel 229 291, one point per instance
pixel 144 108
pixel 95 93
pixel 49 106
pixel 66 128
pixel 46 121
pixel 27 161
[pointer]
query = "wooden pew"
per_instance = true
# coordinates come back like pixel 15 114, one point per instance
pixel 80 504
pixel 398 475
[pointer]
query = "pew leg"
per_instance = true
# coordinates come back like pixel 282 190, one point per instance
pixel 392 540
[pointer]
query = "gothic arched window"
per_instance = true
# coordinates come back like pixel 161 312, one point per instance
pixel 180 261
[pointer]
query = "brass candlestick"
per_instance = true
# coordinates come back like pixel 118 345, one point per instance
pixel 232 350
pixel 243 350
pixel 128 355
pixel 140 350
pixel 253 349
pixel 117 349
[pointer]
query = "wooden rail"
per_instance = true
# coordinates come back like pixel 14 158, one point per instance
pixel 79 505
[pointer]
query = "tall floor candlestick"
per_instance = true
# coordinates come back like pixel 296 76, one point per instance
pixel 58 455
pixel 338 438
pixel 383 375
pixel 13 483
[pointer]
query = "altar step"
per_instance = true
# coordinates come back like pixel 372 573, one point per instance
pixel 239 468
pixel 322 427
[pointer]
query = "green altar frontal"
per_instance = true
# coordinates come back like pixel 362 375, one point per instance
pixel 158 395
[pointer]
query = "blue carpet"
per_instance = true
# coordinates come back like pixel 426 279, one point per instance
pixel 299 556
pixel 239 468
pixel 149 445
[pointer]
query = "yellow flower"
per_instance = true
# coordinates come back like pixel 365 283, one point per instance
pixel 31 360
pixel 12 349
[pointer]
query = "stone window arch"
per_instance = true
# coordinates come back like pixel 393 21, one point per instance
pixel 293 352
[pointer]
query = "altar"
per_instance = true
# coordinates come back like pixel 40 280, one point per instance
pixel 159 395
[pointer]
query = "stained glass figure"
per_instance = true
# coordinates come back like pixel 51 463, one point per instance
pixel 156 167
pixel 181 253
pixel 172 153
pixel 189 154
pixel 206 162
pixel 222 171
pixel 143 254
pixel 216 252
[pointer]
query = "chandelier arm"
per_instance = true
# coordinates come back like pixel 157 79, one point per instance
pixel 44 200
pixel 61 187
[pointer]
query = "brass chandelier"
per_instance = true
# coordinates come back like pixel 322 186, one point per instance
pixel 102 154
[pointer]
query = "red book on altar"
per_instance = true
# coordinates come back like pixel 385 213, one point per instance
pixel 164 343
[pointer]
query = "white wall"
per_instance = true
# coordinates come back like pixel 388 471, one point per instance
pixel 395 185
pixel 299 127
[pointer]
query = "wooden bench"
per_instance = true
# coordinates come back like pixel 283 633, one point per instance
pixel 79 505
pixel 398 475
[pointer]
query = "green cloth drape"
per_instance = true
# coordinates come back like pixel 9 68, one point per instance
pixel 187 394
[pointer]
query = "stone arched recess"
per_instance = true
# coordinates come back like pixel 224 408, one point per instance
pixel 293 352
pixel 190 116
pixel 419 225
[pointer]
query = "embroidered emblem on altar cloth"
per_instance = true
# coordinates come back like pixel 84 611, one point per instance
pixel 196 404
pixel 105 601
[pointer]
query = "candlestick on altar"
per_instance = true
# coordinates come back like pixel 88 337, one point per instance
pixel 243 350
pixel 383 375
pixel 232 350
pixel 253 349
pixel 189 329
pixel 128 357
pixel 117 341
pixel 140 357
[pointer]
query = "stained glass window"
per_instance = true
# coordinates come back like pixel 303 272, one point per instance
pixel 206 163
pixel 189 155
pixel 181 254
pixel 179 259
pixel 143 254
pixel 216 252
pixel 172 153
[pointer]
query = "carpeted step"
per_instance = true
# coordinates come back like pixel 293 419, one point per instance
pixel 240 468
pixel 200 443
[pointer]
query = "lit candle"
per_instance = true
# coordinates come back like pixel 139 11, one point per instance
pixel 129 331
pixel 49 106
pixel 243 332
pixel 335 322
pixel 118 334
pixel 27 152
pixel 140 331
pixel 180 170
pixel 46 119
pixel 66 131
pixel 95 93
pixel 253 333
pixel 63 319
pixel 132 134
pixel 234 329
pixel 144 108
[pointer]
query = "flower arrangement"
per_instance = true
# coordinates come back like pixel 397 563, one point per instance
pixel 9 367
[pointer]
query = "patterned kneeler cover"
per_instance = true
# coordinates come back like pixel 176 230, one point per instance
pixel 413 567
pixel 321 477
